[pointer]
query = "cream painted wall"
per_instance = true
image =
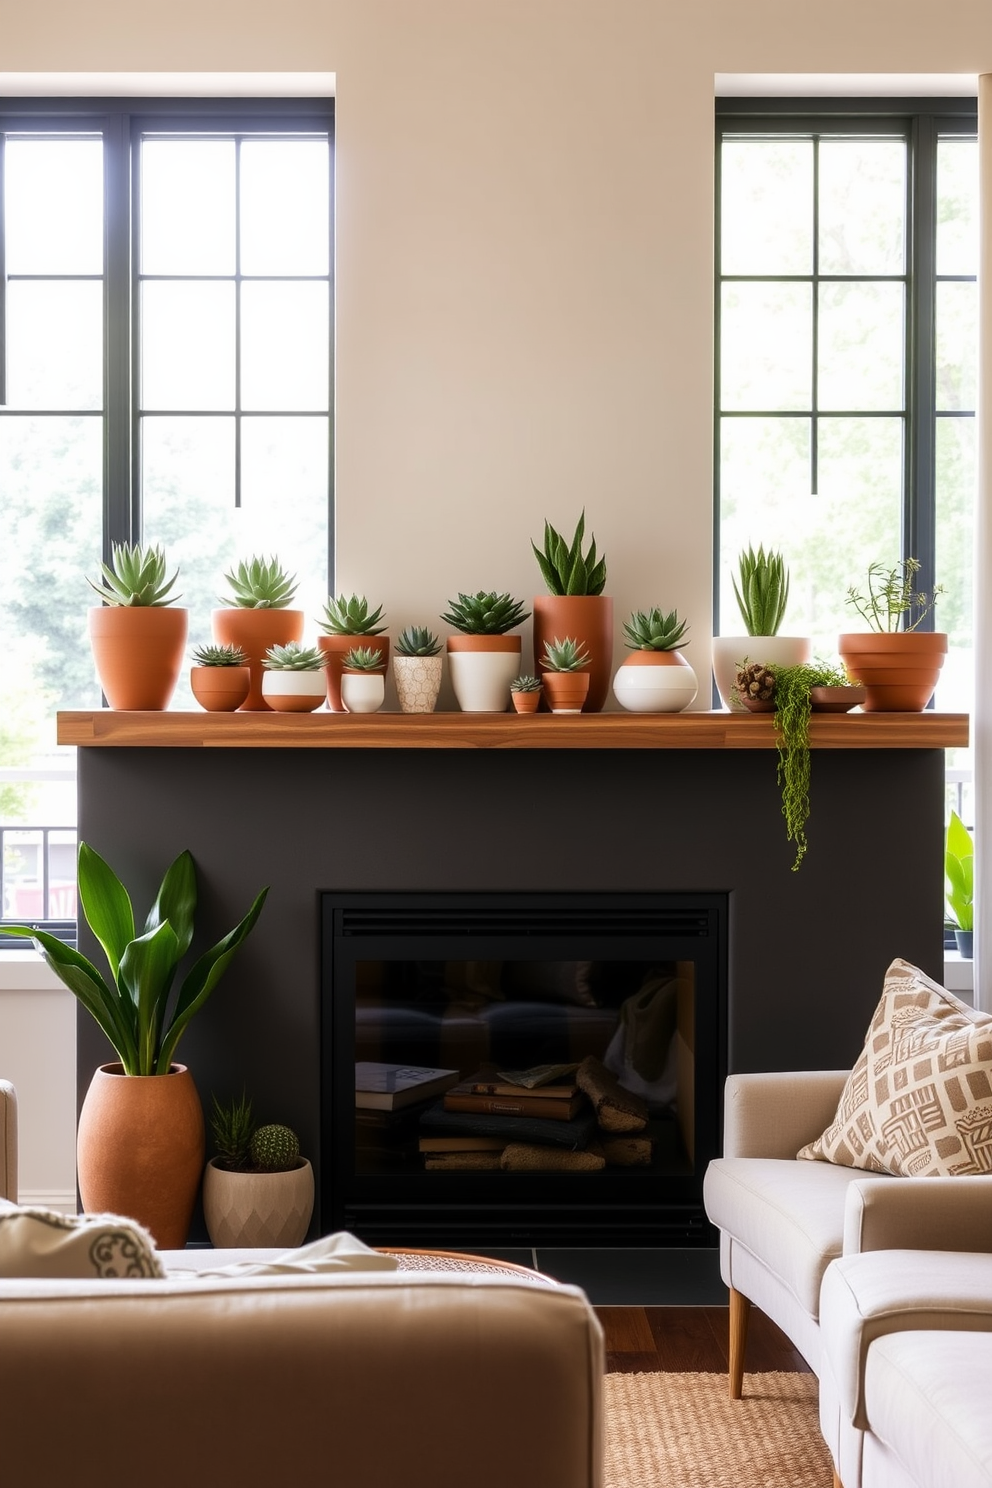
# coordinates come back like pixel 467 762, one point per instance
pixel 524 277
pixel 38 1055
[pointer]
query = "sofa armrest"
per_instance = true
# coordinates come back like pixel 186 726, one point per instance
pixel 8 1141
pixel 774 1114
pixel 918 1214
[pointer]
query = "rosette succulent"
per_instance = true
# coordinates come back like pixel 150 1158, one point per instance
pixel 484 613
pixel 350 617
pixel 135 577
pixel 257 585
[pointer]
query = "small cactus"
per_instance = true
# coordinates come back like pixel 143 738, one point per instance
pixel 275 1149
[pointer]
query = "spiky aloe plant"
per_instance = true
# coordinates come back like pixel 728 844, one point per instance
pixel 219 656
pixel 294 657
pixel 484 613
pixel 566 655
pixel 350 617
pixel 275 1149
pixel 363 659
pixel 232 1126
pixel 761 589
pixel 257 585
pixel 564 566
pixel 526 683
pixel 653 630
pixel 136 577
pixel 417 640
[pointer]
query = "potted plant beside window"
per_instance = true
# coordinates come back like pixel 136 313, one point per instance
pixel 959 883
pixel 138 636
pixel 293 678
pixel 566 674
pixel 219 678
pixel 363 682
pixel 761 588
pixel 257 617
pixel 897 663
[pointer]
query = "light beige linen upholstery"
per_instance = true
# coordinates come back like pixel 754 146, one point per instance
pixel 948 1214
pixel 370 1379
pixel 8 1141
pixel 774 1114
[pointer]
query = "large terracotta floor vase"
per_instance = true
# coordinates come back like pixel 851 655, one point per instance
pixel 140 1149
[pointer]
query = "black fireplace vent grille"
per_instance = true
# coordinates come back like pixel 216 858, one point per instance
pixel 424 922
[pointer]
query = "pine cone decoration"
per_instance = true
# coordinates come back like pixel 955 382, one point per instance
pixel 756 682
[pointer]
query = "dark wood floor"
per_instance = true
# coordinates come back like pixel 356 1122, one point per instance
pixel 690 1339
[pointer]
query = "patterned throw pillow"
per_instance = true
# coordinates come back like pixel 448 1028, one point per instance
pixel 918 1103
pixel 43 1243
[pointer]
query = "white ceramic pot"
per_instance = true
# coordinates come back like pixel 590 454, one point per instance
pixel 363 692
pixel 294 692
pixel 482 668
pixel 418 682
pixel 250 1209
pixel 730 651
pixel 655 682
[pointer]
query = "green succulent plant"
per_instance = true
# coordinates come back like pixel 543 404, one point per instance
pixel 653 630
pixel 761 589
pixel 566 655
pixel 136 576
pixel 484 613
pixel 417 640
pixel 294 657
pixel 350 617
pixel 526 683
pixel 363 659
pixel 564 566
pixel 891 596
pixel 219 656
pixel 792 692
pixel 257 585
pixel 232 1126
pixel 274 1149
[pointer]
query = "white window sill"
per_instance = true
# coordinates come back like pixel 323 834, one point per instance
pixel 26 971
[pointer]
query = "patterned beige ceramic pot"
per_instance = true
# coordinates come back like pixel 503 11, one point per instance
pixel 249 1209
pixel 418 682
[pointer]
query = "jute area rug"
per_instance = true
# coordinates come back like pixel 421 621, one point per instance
pixel 683 1431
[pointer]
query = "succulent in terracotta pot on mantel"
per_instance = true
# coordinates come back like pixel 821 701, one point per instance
pixel 566 675
pixel 897 663
pixel 258 617
pixel 219 678
pixel 348 622
pixel 575 605
pixel 138 635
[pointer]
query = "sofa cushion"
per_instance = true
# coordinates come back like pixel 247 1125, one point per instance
pixel 918 1102
pixel 44 1243
pixel 788 1214
pixel 927 1397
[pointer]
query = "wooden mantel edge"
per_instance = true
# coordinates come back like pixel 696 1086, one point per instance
pixel 104 728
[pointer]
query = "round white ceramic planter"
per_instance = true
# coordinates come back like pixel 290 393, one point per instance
pixel 481 674
pixel 730 651
pixel 418 682
pixel 363 692
pixel 647 684
pixel 294 692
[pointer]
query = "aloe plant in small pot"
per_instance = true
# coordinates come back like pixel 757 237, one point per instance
pixel 220 678
pixel 138 634
pixel 575 605
pixel 655 677
pixel 348 622
pixel 257 617
pixel 417 669
pixel 761 589
pixel 897 663
pixel 257 1189
pixel 526 692
pixel 293 678
pixel 566 676
pixel 140 1138
pixel 483 658
pixel 363 682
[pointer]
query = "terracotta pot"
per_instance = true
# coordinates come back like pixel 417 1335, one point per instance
pixel 418 682
pixel 835 699
pixel 139 1149
pixel 481 669
pixel 219 689
pixel 526 702
pixel 589 619
pixel 249 1209
pixel 255 631
pixel 337 647
pixel 898 669
pixel 655 682
pixel 566 692
pixel 730 651
pixel 362 692
pixel 138 650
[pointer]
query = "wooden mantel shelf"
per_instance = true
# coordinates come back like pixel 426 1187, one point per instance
pixel 106 729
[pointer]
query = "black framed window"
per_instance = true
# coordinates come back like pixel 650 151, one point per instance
pixel 846 313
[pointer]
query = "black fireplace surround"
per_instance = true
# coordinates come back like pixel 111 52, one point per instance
pixel 470 982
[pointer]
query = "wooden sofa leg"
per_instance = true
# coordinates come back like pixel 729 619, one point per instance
pixel 837 1481
pixel 740 1312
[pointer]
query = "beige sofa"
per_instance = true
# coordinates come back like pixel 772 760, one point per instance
pixel 371 1379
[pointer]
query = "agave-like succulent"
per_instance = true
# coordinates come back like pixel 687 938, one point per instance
pixel 351 617
pixel 566 569
pixel 526 683
pixel 653 630
pixel 566 655
pixel 257 585
pixel 417 640
pixel 232 1126
pixel 762 592
pixel 219 656
pixel 484 613
pixel 136 577
pixel 363 659
pixel 294 657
